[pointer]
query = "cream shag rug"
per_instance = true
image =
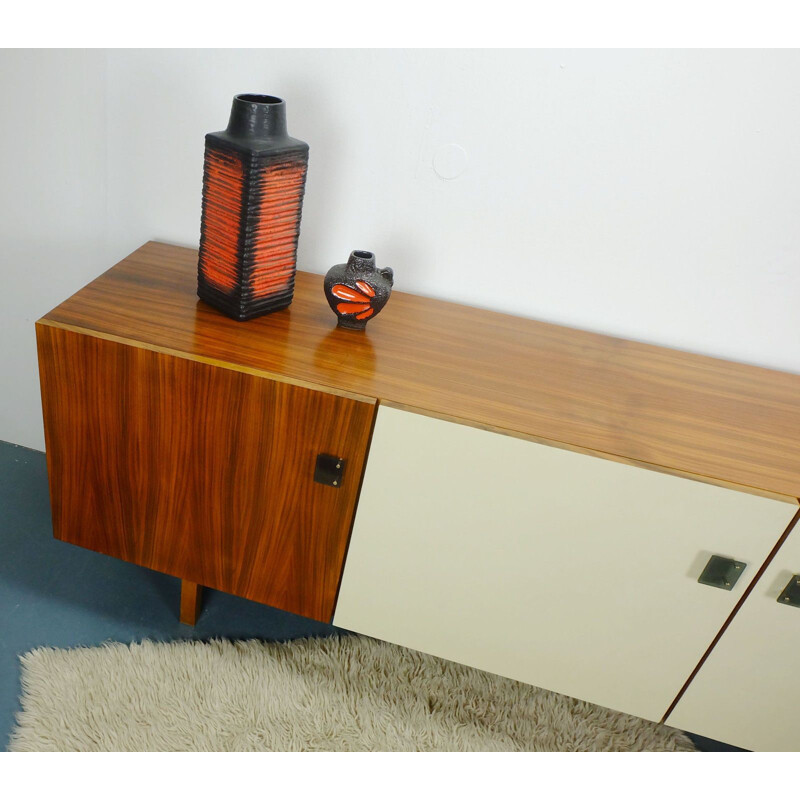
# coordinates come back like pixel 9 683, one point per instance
pixel 348 693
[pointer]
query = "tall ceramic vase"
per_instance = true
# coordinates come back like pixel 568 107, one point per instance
pixel 253 183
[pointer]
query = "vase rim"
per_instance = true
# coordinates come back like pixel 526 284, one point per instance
pixel 259 99
pixel 257 116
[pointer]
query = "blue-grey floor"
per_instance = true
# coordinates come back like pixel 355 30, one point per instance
pixel 59 595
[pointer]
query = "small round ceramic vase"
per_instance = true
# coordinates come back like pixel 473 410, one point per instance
pixel 358 290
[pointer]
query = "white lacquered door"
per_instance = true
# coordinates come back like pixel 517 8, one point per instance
pixel 747 693
pixel 563 570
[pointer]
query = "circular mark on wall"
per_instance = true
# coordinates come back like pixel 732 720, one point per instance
pixel 450 161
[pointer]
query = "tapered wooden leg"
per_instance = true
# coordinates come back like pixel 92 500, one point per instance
pixel 191 599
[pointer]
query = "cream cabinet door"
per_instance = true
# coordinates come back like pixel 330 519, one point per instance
pixel 747 693
pixel 563 570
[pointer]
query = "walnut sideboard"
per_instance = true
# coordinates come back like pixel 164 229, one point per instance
pixel 602 518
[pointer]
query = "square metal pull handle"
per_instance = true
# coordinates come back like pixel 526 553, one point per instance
pixel 722 572
pixel 790 596
pixel 329 470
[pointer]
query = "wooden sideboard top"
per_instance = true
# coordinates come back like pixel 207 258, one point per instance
pixel 714 420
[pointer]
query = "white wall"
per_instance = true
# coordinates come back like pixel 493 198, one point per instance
pixel 649 194
pixel 52 209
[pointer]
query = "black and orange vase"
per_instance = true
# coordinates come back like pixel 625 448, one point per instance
pixel 358 290
pixel 253 183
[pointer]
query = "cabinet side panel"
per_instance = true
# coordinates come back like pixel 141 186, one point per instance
pixel 198 471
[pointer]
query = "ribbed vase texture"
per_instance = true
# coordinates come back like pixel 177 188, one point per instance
pixel 252 203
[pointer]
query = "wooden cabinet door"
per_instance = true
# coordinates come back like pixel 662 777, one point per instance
pixel 200 471
pixel 567 571
pixel 747 692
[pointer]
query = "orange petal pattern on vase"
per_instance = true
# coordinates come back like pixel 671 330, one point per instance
pixel 366 288
pixel 346 293
pixel 351 308
pixel 358 301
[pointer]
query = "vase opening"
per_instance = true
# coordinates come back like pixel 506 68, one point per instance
pixel 259 116
pixel 264 99
pixel 362 254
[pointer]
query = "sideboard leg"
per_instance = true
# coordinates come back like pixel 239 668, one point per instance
pixel 191 598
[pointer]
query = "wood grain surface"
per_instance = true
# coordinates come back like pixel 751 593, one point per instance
pixel 191 601
pixel 200 472
pixel 720 421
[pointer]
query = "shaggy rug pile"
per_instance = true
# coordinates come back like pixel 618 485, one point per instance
pixel 348 693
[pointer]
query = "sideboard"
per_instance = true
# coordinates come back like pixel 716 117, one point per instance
pixel 603 518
